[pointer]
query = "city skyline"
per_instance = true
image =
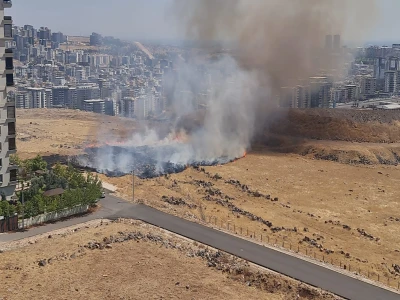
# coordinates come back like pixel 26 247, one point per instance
pixel 125 18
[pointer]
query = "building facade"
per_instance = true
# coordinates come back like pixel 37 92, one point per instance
pixel 8 173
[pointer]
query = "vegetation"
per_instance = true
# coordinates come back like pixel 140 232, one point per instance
pixel 78 188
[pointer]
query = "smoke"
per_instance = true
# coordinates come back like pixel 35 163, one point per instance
pixel 281 40
pixel 263 45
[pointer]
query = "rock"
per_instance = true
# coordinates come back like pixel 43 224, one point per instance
pixel 50 236
pixel 108 246
pixel 42 263
pixel 187 287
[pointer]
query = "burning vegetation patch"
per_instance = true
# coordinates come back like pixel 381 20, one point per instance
pixel 145 161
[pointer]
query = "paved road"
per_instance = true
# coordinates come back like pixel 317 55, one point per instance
pixel 109 206
pixel 294 267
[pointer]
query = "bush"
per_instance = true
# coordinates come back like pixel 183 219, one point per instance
pixel 78 189
pixel 5 208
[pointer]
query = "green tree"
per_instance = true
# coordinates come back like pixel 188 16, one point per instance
pixel 5 208
pixel 35 164
pixel 28 209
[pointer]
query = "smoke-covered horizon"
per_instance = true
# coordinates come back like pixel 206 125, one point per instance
pixel 276 43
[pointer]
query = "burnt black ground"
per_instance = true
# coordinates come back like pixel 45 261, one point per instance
pixel 145 161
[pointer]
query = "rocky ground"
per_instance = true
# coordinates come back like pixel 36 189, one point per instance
pixel 137 261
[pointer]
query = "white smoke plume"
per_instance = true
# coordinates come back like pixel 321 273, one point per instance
pixel 275 43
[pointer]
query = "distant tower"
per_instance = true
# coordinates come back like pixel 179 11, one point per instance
pixel 328 42
pixel 336 42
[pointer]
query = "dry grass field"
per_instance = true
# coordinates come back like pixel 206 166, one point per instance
pixel 88 263
pixel 348 212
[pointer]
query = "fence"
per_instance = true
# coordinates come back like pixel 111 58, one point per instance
pixel 54 216
pixel 8 224
pixel 311 252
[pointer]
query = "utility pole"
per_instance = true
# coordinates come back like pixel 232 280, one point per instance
pixel 133 186
pixel 23 206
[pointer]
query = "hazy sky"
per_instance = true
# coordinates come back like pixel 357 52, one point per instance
pixel 145 18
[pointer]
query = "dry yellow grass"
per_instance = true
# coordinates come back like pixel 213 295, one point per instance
pixel 313 195
pixel 130 270
pixel 63 132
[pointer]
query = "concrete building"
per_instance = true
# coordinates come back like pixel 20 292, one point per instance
pixel 336 42
pixel 302 96
pixel 86 92
pixel 111 107
pixel 8 172
pixel 23 99
pixel 94 105
pixel 39 97
pixel 128 107
pixel 320 92
pixel 352 92
pixel 390 82
pixel 96 39
pixel 287 97
pixel 60 96
pixel 328 42
pixel 368 87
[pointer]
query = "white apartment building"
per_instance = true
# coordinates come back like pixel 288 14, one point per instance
pixel 40 97
pixel 8 172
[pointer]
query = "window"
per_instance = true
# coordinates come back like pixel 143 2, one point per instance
pixel 11 144
pixel 10 79
pixel 11 128
pixel 8 31
pixel 13 175
pixel 1 178
pixel 9 63
pixel 1 162
pixel 10 112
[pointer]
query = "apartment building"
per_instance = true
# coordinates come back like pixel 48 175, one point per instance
pixel 8 172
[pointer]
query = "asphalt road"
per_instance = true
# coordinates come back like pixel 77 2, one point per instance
pixel 316 275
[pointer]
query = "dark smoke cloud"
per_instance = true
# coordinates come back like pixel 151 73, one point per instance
pixel 280 39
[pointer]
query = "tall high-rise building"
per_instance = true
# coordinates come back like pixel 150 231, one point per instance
pixel 328 42
pixel 390 82
pixel 8 172
pixel 336 42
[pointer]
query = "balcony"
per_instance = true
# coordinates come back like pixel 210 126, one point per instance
pixel 9 52
pixel 7 3
pixel 7 21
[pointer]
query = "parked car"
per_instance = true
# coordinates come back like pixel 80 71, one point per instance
pixel 103 194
